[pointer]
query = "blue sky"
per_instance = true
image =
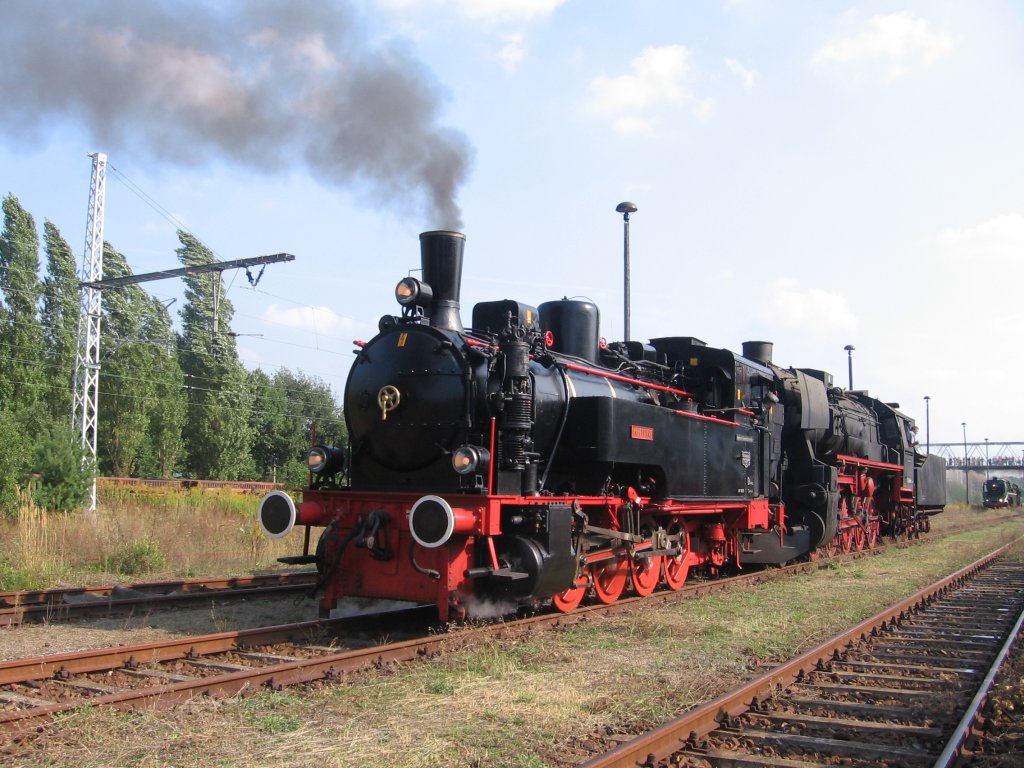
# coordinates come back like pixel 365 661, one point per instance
pixel 815 174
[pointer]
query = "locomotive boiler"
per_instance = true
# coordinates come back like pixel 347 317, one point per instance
pixel 523 459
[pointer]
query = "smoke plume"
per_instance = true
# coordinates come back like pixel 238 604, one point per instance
pixel 266 84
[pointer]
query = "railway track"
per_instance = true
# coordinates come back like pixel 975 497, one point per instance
pixel 76 602
pixel 903 688
pixel 71 603
pixel 166 673
pixel 170 672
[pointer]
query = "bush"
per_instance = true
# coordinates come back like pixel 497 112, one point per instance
pixel 15 579
pixel 65 474
pixel 137 557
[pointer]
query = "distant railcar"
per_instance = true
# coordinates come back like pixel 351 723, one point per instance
pixel 999 492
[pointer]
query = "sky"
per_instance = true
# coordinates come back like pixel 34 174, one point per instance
pixel 815 174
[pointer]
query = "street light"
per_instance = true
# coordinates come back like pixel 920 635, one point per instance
pixel 967 471
pixel 927 426
pixel 625 209
pixel 849 363
pixel 986 458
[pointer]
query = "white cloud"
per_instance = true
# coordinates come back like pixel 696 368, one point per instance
pixel 795 307
pixel 897 41
pixel 507 10
pixel 487 11
pixel 319 320
pixel 631 125
pixel 997 241
pixel 746 75
pixel 658 77
pixel 512 52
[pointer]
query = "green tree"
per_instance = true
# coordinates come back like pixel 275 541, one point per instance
pixel 14 459
pixel 218 436
pixel 127 390
pixel 22 375
pixel 286 410
pixel 165 445
pixel 59 319
pixel 65 473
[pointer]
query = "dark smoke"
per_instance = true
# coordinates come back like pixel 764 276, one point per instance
pixel 265 84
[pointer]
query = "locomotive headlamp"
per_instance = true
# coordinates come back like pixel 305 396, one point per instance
pixel 325 460
pixel 469 459
pixel 411 292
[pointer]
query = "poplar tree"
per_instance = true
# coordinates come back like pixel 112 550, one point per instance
pixel 218 436
pixel 22 375
pixel 167 419
pixel 59 320
pixel 127 391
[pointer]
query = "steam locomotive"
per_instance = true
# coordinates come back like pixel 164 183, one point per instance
pixel 524 459
pixel 999 492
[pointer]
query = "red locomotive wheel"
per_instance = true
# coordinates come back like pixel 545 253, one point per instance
pixel 570 599
pixel 645 573
pixel 846 540
pixel 610 579
pixel 873 531
pixel 675 568
pixel 873 525
pixel 859 538
pixel 832 548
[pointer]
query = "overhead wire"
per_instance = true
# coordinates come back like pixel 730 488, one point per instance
pixel 136 189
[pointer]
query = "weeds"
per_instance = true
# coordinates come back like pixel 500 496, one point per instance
pixel 135 532
pixel 136 558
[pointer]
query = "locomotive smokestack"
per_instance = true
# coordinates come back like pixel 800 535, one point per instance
pixel 759 351
pixel 441 258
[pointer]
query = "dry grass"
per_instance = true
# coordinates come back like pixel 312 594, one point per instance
pixel 524 703
pixel 132 537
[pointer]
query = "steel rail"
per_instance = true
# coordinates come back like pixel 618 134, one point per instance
pixel 63 667
pixel 964 731
pixel 66 665
pixel 49 604
pixel 672 736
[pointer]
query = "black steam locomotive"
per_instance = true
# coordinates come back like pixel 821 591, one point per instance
pixel 524 458
pixel 1000 492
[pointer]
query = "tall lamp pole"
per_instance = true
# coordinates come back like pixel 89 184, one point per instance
pixel 625 209
pixel 986 458
pixel 927 425
pixel 967 470
pixel 849 363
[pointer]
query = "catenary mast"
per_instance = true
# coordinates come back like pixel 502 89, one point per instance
pixel 87 359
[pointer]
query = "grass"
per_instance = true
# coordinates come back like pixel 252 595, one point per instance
pixel 521 703
pixel 137 534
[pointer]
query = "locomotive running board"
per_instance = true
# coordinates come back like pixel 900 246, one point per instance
pixel 501 573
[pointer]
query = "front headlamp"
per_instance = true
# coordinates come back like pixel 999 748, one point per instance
pixel 411 292
pixel 325 460
pixel 469 459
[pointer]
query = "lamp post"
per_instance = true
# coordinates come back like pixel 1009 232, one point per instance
pixel 986 458
pixel 967 471
pixel 927 425
pixel 849 363
pixel 625 209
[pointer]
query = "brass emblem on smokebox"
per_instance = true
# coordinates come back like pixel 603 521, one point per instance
pixel 388 399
